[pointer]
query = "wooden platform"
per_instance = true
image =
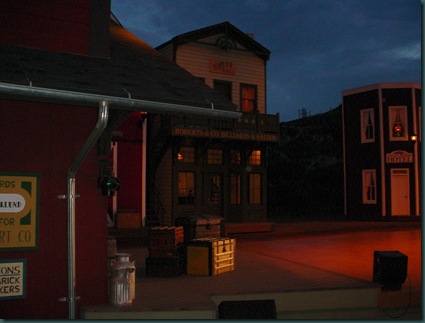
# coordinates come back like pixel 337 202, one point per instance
pixel 250 227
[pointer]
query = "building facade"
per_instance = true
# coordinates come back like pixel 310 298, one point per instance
pixel 205 166
pixel 70 74
pixel 382 150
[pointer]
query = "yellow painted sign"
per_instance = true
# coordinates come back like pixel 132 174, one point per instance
pixel 19 211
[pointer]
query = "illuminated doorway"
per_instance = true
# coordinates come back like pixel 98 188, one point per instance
pixel 400 195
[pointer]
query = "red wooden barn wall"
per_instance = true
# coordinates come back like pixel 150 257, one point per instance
pixel 44 139
pixel 52 25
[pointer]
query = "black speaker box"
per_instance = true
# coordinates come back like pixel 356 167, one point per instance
pixel 389 269
pixel 247 309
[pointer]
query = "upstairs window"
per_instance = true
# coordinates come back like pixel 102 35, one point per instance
pixel 367 119
pixel 248 98
pixel 398 123
pixel 224 87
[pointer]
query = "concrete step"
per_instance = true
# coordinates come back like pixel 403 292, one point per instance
pixel 338 303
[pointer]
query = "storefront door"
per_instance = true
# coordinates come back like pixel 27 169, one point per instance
pixel 400 196
pixel 214 193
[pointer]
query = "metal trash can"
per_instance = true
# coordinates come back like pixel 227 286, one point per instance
pixel 122 281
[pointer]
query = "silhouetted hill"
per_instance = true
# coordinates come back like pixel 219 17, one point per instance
pixel 306 168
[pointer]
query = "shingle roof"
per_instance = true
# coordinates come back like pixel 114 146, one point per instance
pixel 134 68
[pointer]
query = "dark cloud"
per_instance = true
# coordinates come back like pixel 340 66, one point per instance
pixel 318 47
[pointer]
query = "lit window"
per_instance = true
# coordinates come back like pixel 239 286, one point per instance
pixel 369 186
pixel 248 98
pixel 398 123
pixel 186 188
pixel 255 158
pixel 235 189
pixel 367 125
pixel 215 157
pixel 186 155
pixel 254 194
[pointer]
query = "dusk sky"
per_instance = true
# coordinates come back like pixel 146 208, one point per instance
pixel 318 47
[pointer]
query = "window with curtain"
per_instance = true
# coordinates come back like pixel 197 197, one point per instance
pixel 398 123
pixel 369 186
pixel 367 125
pixel 248 98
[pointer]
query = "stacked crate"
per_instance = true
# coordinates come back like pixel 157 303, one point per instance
pixel 166 256
pixel 210 256
pixel 200 226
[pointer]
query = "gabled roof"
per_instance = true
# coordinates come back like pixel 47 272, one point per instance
pixel 221 28
pixel 133 69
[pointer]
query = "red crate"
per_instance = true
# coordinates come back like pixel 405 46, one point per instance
pixel 164 241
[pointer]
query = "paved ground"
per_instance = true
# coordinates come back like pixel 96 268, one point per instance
pixel 294 257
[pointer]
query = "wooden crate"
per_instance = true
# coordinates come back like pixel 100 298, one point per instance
pixel 128 220
pixel 210 256
pixel 164 241
pixel 201 226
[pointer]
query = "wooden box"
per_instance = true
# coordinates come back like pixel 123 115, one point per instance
pixel 210 256
pixel 201 226
pixel 128 220
pixel 164 241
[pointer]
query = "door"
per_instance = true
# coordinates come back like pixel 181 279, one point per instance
pixel 400 196
pixel 214 193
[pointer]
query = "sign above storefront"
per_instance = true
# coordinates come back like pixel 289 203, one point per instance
pixel 18 211
pixel 225 134
pixel 222 67
pixel 399 156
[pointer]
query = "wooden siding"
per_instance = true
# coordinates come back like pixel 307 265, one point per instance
pixel 45 139
pixel 249 68
pixel 167 51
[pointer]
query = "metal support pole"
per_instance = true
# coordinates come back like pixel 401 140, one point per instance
pixel 72 171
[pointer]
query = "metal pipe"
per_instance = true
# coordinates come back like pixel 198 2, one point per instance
pixel 92 100
pixel 37 94
pixel 102 121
